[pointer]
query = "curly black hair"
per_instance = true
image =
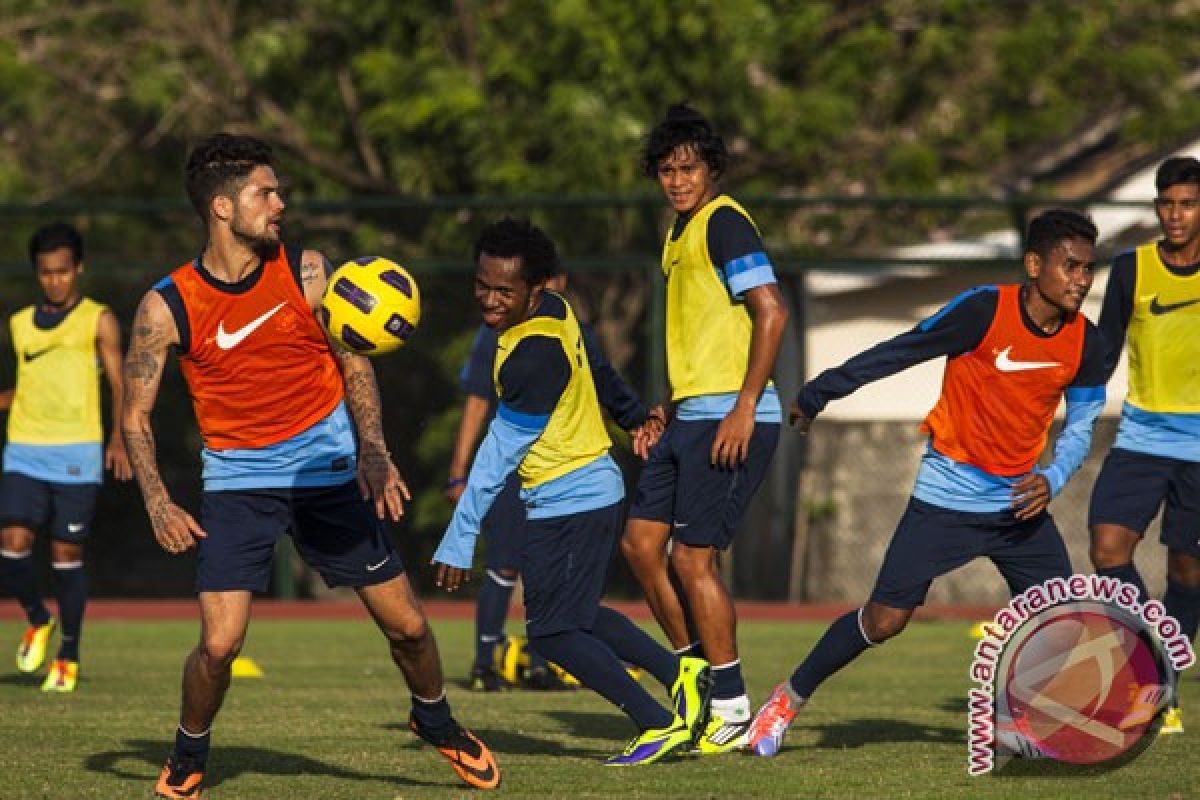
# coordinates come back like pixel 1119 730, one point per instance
pixel 1174 171
pixel 219 165
pixel 49 238
pixel 684 126
pixel 1051 228
pixel 520 238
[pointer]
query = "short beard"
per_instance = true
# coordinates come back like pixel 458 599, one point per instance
pixel 264 247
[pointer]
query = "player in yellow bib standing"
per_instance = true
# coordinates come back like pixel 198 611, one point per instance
pixel 725 320
pixel 54 459
pixel 1153 299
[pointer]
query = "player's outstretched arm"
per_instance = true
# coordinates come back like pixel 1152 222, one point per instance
pixel 957 328
pixel 154 332
pixel 108 345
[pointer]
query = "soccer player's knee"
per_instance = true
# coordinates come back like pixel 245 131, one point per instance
pixel 879 625
pixel 408 632
pixel 1106 554
pixel 635 549
pixel 1111 546
pixel 691 563
pixel 220 651
pixel 1183 569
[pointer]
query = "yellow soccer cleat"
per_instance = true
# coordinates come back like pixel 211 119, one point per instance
pixel 62 676
pixel 568 680
pixel 1172 721
pixel 32 650
pixel 512 659
pixel 691 692
pixel 723 737
pixel 653 745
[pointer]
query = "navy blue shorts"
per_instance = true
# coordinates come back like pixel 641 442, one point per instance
pixel 679 485
pixel 63 510
pixel 336 533
pixel 1133 486
pixel 931 541
pixel 564 566
pixel 504 528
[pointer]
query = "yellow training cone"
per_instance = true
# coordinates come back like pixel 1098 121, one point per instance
pixel 244 667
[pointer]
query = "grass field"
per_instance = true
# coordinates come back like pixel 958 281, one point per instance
pixel 328 721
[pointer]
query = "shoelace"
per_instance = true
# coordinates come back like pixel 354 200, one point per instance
pixel 634 743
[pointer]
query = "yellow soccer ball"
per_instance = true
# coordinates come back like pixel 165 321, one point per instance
pixel 371 306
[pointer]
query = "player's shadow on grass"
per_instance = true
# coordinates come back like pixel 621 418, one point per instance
pixel 954 705
pixel 231 761
pixel 22 679
pixel 862 732
pixel 576 724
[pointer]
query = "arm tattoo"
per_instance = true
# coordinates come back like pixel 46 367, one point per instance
pixel 362 397
pixel 143 370
pixel 313 267
pixel 139 445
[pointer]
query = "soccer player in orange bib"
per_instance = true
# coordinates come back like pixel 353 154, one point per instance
pixel 1013 352
pixel 293 442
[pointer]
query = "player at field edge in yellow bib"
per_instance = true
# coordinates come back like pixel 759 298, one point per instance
pixel 54 458
pixel 1153 300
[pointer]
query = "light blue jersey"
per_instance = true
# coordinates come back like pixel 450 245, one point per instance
pixel 1159 434
pixel 323 455
pixel 57 463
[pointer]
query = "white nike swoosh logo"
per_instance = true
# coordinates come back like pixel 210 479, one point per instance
pixel 1006 364
pixel 74 527
pixel 373 567
pixel 228 341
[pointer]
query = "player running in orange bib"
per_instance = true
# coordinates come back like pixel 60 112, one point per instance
pixel 1013 352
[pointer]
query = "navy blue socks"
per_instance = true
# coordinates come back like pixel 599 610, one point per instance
pixel 1129 574
pixel 491 609
pixel 72 585
pixel 841 644
pixel 433 717
pixel 193 746
pixel 1183 603
pixel 635 646
pixel 16 571
pixel 597 667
